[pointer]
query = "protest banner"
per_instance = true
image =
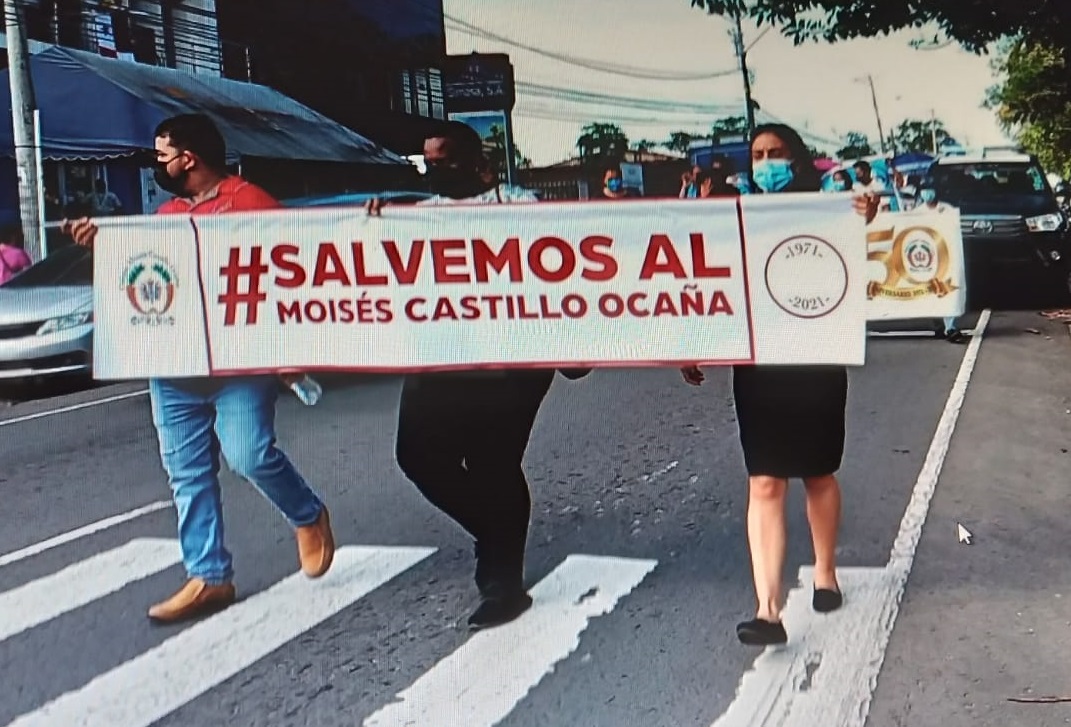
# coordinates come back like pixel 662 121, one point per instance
pixel 916 265
pixel 644 283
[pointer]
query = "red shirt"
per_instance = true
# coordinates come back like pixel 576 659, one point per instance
pixel 233 194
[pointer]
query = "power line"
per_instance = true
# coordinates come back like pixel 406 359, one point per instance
pixel 635 72
pixel 588 97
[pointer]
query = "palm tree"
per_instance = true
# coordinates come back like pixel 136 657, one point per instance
pixel 601 141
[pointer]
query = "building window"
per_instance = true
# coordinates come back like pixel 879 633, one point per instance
pixel 421 93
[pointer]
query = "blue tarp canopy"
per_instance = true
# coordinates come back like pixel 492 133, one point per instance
pixel 94 107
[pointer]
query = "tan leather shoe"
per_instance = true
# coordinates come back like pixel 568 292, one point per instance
pixel 194 599
pixel 316 546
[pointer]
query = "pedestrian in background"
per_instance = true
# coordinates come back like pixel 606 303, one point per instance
pixel 462 435
pixel 199 419
pixel 792 425
pixel 926 201
pixel 842 181
pixel 13 258
pixel 613 184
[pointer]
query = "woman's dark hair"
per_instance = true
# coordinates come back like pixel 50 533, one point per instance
pixel 843 174
pixel 198 135
pixel 11 234
pixel 807 178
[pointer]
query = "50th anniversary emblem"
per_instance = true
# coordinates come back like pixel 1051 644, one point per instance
pixel 150 285
pixel 916 265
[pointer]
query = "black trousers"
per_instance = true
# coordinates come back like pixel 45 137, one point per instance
pixel 461 440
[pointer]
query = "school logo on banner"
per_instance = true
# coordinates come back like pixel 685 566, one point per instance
pixel 150 285
pixel 916 265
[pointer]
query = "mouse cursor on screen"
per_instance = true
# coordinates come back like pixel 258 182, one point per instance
pixel 964 534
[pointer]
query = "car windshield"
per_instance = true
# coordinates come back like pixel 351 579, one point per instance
pixel 71 265
pixel 992 178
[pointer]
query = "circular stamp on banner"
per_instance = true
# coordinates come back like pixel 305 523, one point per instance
pixel 806 277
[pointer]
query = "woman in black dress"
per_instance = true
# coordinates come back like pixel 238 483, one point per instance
pixel 791 421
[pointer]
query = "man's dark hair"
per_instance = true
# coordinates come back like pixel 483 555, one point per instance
pixel 198 135
pixel 466 142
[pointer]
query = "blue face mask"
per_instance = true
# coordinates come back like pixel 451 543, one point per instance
pixel 840 186
pixel 614 184
pixel 772 175
pixel 928 195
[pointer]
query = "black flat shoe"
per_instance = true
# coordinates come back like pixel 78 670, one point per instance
pixel 499 608
pixel 826 600
pixel 759 632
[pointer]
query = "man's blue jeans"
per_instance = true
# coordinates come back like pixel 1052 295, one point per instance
pixel 950 324
pixel 196 421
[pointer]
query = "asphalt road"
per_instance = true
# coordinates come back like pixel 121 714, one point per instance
pixel 631 466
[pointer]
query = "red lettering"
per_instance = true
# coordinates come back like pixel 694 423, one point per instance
pixel 442 260
pixel 444 309
pixel 661 245
pixel 410 311
pixel 634 308
pixel 470 308
pixel 720 304
pixel 535 259
pixel 406 272
pixel 700 269
pixel 284 257
pixel 329 266
pixel 363 277
pixel 664 305
pixel 483 258
pixel 291 311
pixel 545 310
pixel 345 310
pixel 386 313
pixel 590 250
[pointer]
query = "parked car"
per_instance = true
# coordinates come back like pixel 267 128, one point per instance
pixel 356 199
pixel 46 318
pixel 1015 235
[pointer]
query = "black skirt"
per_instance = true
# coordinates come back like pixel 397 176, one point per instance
pixel 791 418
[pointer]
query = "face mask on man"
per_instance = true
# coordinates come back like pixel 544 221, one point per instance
pixel 772 175
pixel 168 183
pixel 929 196
pixel 615 184
pixel 451 181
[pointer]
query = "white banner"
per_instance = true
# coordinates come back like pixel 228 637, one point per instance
pixel 915 265
pixel 643 283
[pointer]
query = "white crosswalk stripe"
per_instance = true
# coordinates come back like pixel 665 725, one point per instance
pixel 481 682
pixel 82 583
pixel 477 685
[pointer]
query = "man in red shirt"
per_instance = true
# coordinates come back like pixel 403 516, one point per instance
pixel 199 419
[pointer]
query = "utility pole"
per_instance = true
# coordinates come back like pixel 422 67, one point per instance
pixel 23 105
pixel 874 98
pixel 737 34
pixel 933 130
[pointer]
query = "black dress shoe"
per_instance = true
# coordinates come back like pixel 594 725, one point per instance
pixel 956 336
pixel 498 607
pixel 826 600
pixel 759 632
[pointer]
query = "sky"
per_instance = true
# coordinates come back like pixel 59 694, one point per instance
pixel 814 87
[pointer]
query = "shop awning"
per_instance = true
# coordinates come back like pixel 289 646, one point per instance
pixel 94 107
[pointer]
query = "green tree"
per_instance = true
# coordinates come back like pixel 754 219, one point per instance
pixel 602 141
pixel 729 126
pixel 680 141
pixel 817 153
pixel 495 145
pixel 856 146
pixel 1027 106
pixel 918 135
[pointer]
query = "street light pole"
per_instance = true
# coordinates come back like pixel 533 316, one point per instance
pixel 933 130
pixel 23 105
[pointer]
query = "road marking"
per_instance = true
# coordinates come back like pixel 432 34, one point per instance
pixel 481 682
pixel 147 688
pixel 84 582
pixel 73 407
pixel 71 536
pixel 828 671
